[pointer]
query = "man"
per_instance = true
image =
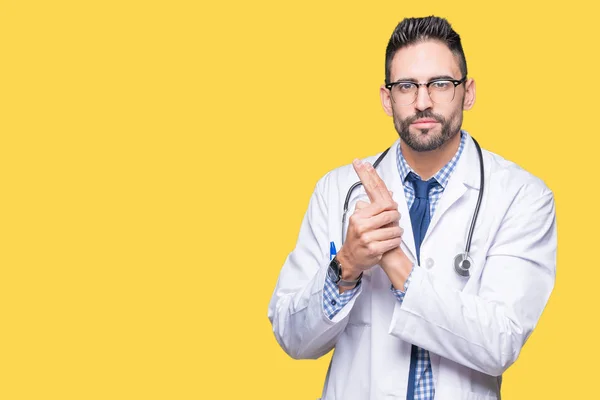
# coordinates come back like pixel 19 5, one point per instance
pixel 406 319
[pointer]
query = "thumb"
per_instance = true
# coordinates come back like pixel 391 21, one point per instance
pixel 361 204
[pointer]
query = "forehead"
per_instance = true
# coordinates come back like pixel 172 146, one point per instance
pixel 423 61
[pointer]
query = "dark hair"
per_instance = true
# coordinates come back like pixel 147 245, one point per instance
pixel 414 30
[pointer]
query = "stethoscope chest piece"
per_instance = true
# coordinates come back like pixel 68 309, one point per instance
pixel 462 264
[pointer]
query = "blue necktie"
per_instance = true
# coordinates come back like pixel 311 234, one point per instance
pixel 419 212
pixel 419 219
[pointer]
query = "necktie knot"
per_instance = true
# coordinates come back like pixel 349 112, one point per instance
pixel 421 187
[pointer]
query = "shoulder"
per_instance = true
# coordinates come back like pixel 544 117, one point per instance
pixel 507 177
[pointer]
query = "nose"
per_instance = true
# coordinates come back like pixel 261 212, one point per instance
pixel 423 101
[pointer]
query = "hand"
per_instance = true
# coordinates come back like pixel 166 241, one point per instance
pixel 373 229
pixel 394 262
pixel 393 256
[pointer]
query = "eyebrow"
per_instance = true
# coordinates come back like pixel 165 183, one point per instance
pixel 434 78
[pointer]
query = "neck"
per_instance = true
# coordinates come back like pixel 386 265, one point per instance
pixel 427 163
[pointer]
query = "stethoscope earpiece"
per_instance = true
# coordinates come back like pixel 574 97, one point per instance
pixel 462 263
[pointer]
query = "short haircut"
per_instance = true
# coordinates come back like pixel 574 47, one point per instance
pixel 416 30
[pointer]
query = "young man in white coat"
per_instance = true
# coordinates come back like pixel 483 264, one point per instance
pixel 432 286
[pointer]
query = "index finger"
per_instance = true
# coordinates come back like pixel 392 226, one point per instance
pixel 373 184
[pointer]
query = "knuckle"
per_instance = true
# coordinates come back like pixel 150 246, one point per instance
pixel 389 217
pixel 371 249
pixel 360 229
pixel 365 239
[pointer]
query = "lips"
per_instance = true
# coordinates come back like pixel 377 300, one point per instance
pixel 425 121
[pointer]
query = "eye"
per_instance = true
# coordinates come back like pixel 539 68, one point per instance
pixel 405 87
pixel 441 85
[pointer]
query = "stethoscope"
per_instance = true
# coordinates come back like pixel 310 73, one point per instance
pixel 462 261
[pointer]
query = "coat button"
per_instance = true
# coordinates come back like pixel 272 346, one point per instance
pixel 429 263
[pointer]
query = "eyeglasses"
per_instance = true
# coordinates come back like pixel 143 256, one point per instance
pixel 440 91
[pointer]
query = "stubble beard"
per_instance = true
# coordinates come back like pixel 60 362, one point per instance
pixel 423 139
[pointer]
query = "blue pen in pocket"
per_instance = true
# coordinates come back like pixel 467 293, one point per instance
pixel 332 250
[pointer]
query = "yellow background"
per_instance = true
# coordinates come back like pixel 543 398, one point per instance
pixel 157 157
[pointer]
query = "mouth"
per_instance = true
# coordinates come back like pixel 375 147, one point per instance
pixel 424 123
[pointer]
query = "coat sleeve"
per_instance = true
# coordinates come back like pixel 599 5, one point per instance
pixel 486 331
pixel 296 312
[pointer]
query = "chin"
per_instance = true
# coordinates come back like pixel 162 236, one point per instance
pixel 424 140
pixel 426 136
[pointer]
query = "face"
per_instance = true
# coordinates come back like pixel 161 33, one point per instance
pixel 425 125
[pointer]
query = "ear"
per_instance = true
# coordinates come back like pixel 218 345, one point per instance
pixel 469 100
pixel 386 100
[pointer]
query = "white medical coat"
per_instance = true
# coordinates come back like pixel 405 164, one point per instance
pixel 474 328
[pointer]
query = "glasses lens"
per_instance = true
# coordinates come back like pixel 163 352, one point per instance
pixel 404 93
pixel 441 91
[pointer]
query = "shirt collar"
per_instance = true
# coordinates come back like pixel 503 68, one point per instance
pixel 443 175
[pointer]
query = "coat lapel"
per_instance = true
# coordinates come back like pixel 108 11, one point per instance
pixel 465 176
